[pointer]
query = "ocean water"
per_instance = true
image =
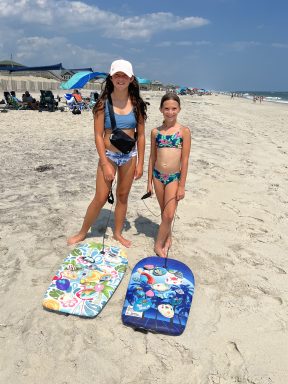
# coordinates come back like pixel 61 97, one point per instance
pixel 276 97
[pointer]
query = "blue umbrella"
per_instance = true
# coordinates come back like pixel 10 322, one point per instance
pixel 81 78
pixel 143 81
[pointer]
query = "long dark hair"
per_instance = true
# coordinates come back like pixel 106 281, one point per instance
pixel 138 103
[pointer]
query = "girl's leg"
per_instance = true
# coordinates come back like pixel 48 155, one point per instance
pixel 160 193
pixel 168 212
pixel 124 182
pixel 102 190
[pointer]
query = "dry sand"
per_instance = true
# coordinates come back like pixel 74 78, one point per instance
pixel 231 229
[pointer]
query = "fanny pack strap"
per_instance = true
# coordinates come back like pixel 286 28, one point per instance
pixel 111 114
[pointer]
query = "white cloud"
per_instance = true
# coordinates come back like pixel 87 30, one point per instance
pixel 64 15
pixel 279 45
pixel 38 32
pixel 193 43
pixel 184 43
pixel 243 45
pixel 165 44
pixel 59 49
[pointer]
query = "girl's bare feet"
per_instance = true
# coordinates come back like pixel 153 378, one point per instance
pixel 167 245
pixel 76 238
pixel 127 243
pixel 159 251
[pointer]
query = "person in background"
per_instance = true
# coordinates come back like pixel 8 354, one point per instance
pixel 29 101
pixel 13 94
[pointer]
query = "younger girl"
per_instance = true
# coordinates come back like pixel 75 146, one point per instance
pixel 168 166
pixel 130 113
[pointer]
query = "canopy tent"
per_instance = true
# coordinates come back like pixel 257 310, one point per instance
pixel 11 68
pixel 181 90
pixel 81 78
pixel 143 81
pixel 54 67
pixel 79 69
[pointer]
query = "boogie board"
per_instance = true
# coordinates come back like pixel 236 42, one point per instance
pixel 159 296
pixel 86 280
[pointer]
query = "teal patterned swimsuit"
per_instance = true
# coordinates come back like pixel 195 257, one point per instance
pixel 168 141
pixel 166 178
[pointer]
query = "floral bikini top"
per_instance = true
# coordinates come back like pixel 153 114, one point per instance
pixel 169 141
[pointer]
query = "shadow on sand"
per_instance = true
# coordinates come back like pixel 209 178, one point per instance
pixel 98 228
pixel 146 226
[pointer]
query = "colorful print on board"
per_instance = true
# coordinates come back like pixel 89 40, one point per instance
pixel 86 280
pixel 159 296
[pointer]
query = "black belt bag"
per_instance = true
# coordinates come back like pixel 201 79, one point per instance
pixel 118 138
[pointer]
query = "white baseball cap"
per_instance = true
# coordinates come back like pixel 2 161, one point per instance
pixel 121 66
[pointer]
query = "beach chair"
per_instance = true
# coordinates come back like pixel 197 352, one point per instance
pixel 73 104
pixel 93 99
pixel 80 102
pixel 70 101
pixel 47 101
pixel 12 103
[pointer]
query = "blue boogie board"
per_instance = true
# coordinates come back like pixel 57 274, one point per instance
pixel 159 296
pixel 86 280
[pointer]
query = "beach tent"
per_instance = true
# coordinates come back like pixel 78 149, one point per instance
pixel 81 78
pixel 181 90
pixel 79 69
pixel 54 67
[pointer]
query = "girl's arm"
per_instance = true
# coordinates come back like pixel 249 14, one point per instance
pixel 152 160
pixel 140 148
pixel 106 166
pixel 184 162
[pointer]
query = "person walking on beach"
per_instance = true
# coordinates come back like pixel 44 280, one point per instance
pixel 168 166
pixel 121 93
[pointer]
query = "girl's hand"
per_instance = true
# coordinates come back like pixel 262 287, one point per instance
pixel 180 193
pixel 108 171
pixel 150 188
pixel 138 172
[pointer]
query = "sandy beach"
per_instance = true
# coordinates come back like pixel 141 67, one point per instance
pixel 231 230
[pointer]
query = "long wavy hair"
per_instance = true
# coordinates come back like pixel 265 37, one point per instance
pixel 139 105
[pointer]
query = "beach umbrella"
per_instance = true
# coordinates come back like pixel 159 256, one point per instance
pixel 81 78
pixel 181 90
pixel 143 81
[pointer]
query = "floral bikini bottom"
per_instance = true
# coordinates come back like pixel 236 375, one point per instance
pixel 166 178
pixel 121 158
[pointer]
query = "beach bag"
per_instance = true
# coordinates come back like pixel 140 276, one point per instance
pixel 118 137
pixel 76 111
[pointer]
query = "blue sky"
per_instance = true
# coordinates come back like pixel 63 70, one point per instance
pixel 212 44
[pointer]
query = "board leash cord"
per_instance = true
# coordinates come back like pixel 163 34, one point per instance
pixel 110 200
pixel 147 195
pixel 166 258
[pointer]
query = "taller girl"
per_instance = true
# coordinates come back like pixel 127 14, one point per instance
pixel 130 114
pixel 168 166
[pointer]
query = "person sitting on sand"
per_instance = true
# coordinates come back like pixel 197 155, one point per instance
pixel 27 97
pixel 168 166
pixel 13 95
pixel 28 100
pixel 122 87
